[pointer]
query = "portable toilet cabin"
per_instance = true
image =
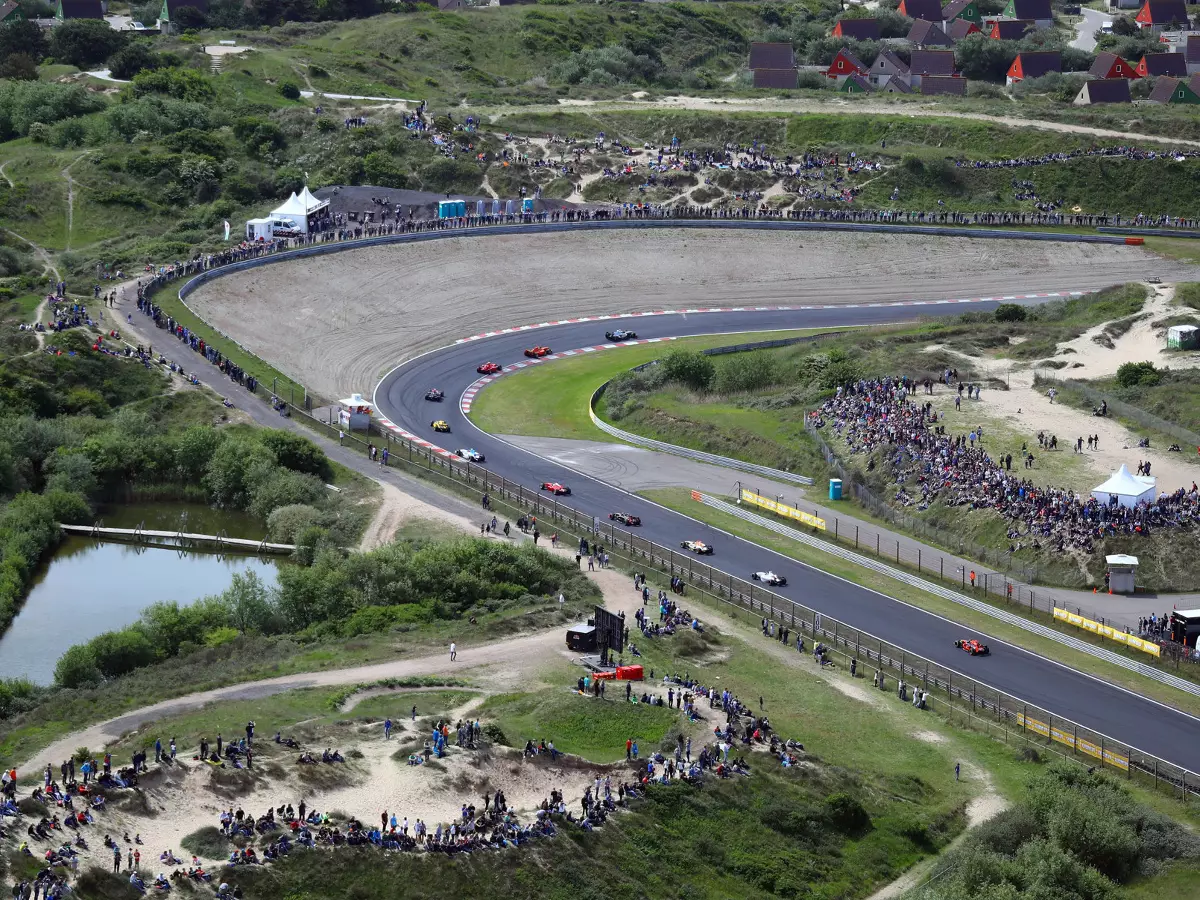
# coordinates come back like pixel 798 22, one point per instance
pixel 1183 337
pixel 479 208
pixel 1122 573
pixel 508 207
pixel 445 209
pixel 460 208
pixel 835 489
pixel 496 207
pixel 527 205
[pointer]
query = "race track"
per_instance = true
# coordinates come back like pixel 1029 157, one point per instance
pixel 1108 710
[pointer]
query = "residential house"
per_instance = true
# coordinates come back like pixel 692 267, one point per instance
pixel 1037 10
pixel 11 12
pixel 1192 54
pixel 1109 65
pixel 928 34
pixel 895 86
pixel 965 10
pixel 1157 64
pixel 926 10
pixel 1174 90
pixel 931 63
pixel 888 66
pixel 169 24
pixel 78 9
pixel 857 29
pixel 1104 90
pixel 773 65
pixel 844 65
pixel 943 84
pixel 451 5
pixel 1160 14
pixel 1010 29
pixel 780 79
pixel 1033 64
pixel 855 84
pixel 960 28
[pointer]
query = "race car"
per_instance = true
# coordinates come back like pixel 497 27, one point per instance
pixel 621 335
pixel 489 368
pixel 537 352
pixel 698 547
pixel 440 425
pixel 973 647
pixel 555 488
pixel 769 578
pixel 625 518
pixel 434 394
pixel 470 455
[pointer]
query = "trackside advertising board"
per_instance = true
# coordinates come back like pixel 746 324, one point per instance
pixel 782 509
pixel 1106 631
pixel 1080 744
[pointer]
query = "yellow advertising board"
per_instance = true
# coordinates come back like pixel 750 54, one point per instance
pixel 782 509
pixel 1082 745
pixel 1107 631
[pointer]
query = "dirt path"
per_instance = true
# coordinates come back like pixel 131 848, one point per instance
pixel 833 107
pixel 397 509
pixel 66 173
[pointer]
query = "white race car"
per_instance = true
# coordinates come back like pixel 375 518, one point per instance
pixel 769 578
pixel 470 454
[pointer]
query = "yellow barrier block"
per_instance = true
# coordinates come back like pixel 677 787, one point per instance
pixel 782 509
pixel 1068 738
pixel 1107 631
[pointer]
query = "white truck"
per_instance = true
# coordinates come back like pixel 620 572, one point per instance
pixel 271 228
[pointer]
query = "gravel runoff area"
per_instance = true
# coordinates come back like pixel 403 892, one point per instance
pixel 336 322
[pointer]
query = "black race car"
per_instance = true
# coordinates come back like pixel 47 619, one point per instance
pixel 769 578
pixel 435 395
pixel 625 518
pixel 621 334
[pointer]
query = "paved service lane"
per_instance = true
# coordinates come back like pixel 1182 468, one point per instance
pixel 1111 711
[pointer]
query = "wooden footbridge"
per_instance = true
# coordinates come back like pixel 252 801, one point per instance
pixel 177 540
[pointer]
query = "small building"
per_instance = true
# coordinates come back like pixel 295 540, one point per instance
pixel 926 10
pixel 1104 90
pixel 1033 64
pixel 1176 90
pixel 966 10
pixel 452 5
pixel 1122 573
pixel 844 65
pixel 1011 29
pixel 889 66
pixel 944 84
pixel 927 63
pixel 857 29
pixel 1160 64
pixel 895 86
pixel 1037 10
pixel 779 79
pixel 1158 15
pixel 855 84
pixel 11 12
pixel 1109 65
pixel 1192 54
pixel 959 29
pixel 78 9
pixel 354 413
pixel 1184 337
pixel 928 34
pixel 772 56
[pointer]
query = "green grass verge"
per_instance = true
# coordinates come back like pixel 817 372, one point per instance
pixel 679 499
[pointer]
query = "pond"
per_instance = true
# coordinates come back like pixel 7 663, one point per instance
pixel 89 586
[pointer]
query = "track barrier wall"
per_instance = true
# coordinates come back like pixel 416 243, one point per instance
pixel 1107 631
pixel 782 509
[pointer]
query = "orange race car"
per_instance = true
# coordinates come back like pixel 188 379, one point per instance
pixel 974 647
pixel 537 352
pixel 488 368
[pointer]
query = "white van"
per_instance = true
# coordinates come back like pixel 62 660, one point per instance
pixel 269 228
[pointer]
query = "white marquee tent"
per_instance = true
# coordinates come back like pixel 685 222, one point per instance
pixel 299 207
pixel 1130 490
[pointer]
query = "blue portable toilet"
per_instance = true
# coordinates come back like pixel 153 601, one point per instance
pixel 479 208
pixel 835 489
pixel 508 207
pixel 527 205
pixel 445 209
pixel 495 207
pixel 460 207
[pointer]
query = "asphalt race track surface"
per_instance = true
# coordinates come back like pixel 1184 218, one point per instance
pixel 1111 711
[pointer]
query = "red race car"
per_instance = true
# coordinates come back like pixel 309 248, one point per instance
pixel 973 647
pixel 537 352
pixel 555 488
pixel 489 368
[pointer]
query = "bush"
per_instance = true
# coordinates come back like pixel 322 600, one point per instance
pixel 689 368
pixel 846 814
pixel 1134 374
pixel 133 59
pixel 85 42
pixel 288 90
pixel 1011 312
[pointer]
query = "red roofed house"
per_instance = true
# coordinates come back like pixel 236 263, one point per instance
pixel 858 29
pixel 1010 29
pixel 1173 90
pixel 1104 90
pixel 1033 65
pixel 1109 65
pixel 1173 64
pixel 929 10
pixel 1192 53
pixel 931 63
pixel 928 34
pixel 844 65
pixel 1159 14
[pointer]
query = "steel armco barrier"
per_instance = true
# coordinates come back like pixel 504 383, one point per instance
pixel 979 705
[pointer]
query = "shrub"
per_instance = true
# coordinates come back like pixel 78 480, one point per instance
pixel 288 90
pixel 1011 312
pixel 1133 374
pixel 85 42
pixel 846 813
pixel 690 368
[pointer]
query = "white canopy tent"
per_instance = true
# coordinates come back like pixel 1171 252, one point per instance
pixel 299 207
pixel 1130 490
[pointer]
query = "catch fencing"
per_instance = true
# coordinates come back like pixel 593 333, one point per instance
pixel 961 699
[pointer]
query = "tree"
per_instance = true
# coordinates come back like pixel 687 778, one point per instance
pixel 1133 374
pixel 189 18
pixel 1011 312
pixel 25 37
pixel 132 59
pixel 19 67
pixel 249 602
pixel 120 652
pixel 77 668
pixel 1123 26
pixel 85 42
pixel 294 451
pixel 689 367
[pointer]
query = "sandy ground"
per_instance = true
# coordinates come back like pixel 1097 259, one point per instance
pixel 398 508
pixel 337 322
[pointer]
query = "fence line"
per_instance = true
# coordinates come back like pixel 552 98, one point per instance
pixel 1119 407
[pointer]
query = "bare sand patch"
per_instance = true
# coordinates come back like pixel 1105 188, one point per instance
pixel 929 737
pixel 336 322
pixel 397 509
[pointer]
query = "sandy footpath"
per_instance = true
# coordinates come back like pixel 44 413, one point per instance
pixel 336 322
